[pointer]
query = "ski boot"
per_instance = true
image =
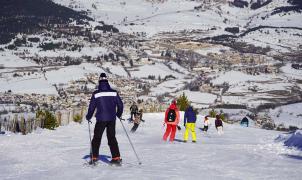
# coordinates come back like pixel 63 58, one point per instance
pixel 93 160
pixel 117 161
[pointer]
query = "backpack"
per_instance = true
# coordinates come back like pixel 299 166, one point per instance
pixel 171 115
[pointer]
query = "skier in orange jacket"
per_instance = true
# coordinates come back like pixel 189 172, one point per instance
pixel 172 120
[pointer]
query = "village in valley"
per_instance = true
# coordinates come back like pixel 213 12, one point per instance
pixel 58 69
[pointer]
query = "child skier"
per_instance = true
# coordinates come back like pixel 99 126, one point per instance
pixel 189 123
pixel 206 124
pixel 172 120
pixel 133 110
pixel 137 119
pixel 219 125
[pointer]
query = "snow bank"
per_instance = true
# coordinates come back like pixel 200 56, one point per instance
pixel 291 140
pixel 295 140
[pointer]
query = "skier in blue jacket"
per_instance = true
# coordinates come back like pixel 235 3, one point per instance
pixel 189 123
pixel 109 105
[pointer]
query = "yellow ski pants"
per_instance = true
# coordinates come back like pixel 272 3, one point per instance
pixel 190 127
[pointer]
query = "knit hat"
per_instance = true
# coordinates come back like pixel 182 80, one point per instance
pixel 103 76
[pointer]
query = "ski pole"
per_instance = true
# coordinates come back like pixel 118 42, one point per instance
pixel 139 162
pixel 90 141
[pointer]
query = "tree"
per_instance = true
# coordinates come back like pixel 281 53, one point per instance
pixel 183 102
pixel 77 118
pixel 212 113
pixel 48 119
pixel 223 117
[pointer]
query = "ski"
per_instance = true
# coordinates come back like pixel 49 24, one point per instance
pixel 102 160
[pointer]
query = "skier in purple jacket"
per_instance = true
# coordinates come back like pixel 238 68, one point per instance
pixel 219 124
pixel 108 105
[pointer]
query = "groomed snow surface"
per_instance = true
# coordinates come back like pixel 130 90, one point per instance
pixel 240 153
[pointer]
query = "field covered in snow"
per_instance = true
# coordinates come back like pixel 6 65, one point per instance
pixel 237 154
pixel 42 83
pixel 177 15
pixel 288 115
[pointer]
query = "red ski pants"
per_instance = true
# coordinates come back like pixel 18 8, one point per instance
pixel 171 130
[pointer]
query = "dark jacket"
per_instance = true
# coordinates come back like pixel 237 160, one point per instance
pixel 245 121
pixel 218 122
pixel 190 116
pixel 134 108
pixel 107 102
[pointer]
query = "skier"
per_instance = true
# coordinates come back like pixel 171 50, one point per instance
pixel 109 105
pixel 206 124
pixel 138 117
pixel 172 120
pixel 133 110
pixel 189 123
pixel 219 125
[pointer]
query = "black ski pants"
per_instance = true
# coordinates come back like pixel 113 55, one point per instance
pixel 100 126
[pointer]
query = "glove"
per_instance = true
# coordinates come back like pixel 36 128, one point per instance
pixel 119 116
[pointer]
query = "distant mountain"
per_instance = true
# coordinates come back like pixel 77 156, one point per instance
pixel 30 16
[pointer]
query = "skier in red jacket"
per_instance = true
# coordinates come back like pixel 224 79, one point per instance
pixel 172 120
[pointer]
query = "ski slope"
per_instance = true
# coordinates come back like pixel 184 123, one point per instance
pixel 241 153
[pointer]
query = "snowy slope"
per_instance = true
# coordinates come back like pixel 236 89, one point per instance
pixel 70 73
pixel 9 60
pixel 238 154
pixel 288 115
pixel 43 83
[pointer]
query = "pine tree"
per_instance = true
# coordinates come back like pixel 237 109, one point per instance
pixel 77 118
pixel 183 102
pixel 212 113
pixel 48 119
